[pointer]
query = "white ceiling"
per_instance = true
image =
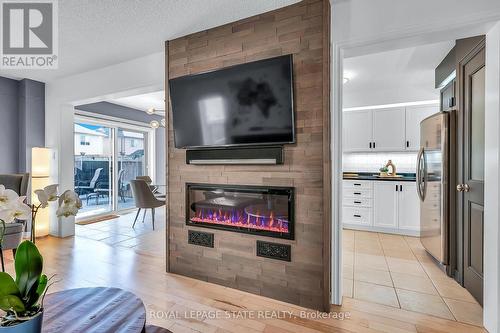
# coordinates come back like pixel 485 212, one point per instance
pixel 95 34
pixel 142 102
pixel 398 76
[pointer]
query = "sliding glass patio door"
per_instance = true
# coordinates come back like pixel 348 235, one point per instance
pixel 107 157
pixel 93 167
pixel 131 162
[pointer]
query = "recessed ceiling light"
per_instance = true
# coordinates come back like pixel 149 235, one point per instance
pixel 150 111
pixel 346 79
pixel 154 124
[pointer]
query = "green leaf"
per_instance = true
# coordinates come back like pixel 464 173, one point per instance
pixel 28 264
pixel 42 284
pixel 36 291
pixel 7 285
pixel 9 302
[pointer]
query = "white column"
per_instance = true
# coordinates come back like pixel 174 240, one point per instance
pixel 61 138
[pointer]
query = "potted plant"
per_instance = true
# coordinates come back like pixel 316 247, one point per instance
pixel 383 171
pixel 22 298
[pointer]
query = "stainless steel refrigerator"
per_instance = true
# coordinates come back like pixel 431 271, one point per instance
pixel 435 169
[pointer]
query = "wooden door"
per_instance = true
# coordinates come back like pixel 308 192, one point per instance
pixel 414 115
pixel 385 204
pixel 389 129
pixel 357 130
pixel 408 207
pixel 472 187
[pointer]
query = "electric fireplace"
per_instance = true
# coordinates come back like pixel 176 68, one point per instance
pixel 259 210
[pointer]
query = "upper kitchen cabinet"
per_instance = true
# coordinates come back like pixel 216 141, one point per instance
pixel 358 130
pixel 414 115
pixel 385 130
pixel 389 129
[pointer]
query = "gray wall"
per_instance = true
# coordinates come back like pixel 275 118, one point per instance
pixel 22 122
pixel 9 118
pixel 31 119
pixel 123 112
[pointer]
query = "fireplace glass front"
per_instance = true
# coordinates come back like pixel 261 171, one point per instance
pixel 260 210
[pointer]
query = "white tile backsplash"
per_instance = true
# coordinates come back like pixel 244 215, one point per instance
pixel 372 162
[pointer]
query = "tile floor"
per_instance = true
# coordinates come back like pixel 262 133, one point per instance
pixel 396 271
pixel 118 232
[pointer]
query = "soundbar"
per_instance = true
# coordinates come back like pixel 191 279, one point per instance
pixel 236 156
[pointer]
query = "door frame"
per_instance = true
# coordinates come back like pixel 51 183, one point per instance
pixel 408 39
pixel 462 143
pixel 114 123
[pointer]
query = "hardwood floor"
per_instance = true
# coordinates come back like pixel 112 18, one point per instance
pixel 186 305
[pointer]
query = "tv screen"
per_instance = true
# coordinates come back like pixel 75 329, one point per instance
pixel 249 104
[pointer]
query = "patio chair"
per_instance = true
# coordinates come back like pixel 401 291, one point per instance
pixel 13 233
pixel 121 186
pixel 88 188
pixel 144 199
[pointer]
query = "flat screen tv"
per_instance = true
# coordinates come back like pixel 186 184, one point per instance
pixel 248 104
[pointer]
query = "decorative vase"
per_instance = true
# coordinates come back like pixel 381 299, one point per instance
pixel 34 325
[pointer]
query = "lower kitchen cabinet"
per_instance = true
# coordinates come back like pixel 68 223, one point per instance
pixel 409 208
pixel 385 206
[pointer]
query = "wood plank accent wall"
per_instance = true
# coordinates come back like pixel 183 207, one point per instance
pixel 302 30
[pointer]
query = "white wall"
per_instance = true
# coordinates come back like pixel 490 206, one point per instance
pixel 492 183
pixel 405 162
pixel 137 76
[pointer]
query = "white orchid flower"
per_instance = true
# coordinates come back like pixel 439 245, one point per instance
pixel 15 210
pixel 67 210
pixel 51 192
pixel 70 198
pixel 7 215
pixel 7 196
pixel 43 198
pixel 69 204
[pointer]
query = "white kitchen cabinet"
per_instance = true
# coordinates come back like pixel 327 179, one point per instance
pixel 386 130
pixel 414 115
pixel 357 215
pixel 385 204
pixel 358 130
pixel 389 129
pixel 408 207
pixel 357 203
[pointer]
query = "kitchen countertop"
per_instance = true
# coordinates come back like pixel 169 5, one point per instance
pixel 407 177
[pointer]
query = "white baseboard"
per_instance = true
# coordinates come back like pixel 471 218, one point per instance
pixel 403 232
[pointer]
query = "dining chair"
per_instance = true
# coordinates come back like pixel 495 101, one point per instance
pixel 144 199
pixel 154 189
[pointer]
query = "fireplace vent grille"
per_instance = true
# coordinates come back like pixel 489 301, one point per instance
pixel 200 238
pixel 274 251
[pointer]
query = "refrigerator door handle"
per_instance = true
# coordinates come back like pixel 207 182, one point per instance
pixel 421 174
